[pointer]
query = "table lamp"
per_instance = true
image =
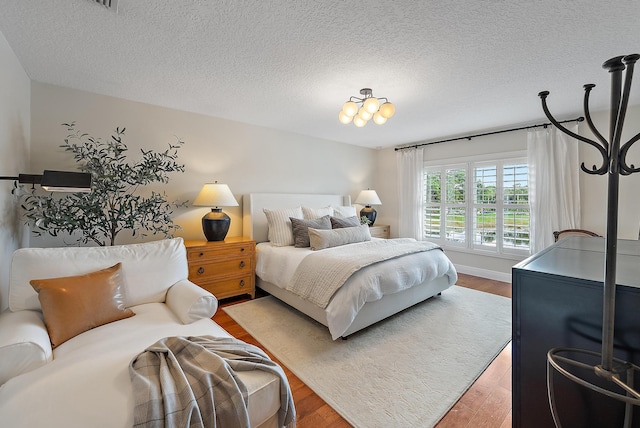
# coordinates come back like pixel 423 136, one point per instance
pixel 215 224
pixel 367 198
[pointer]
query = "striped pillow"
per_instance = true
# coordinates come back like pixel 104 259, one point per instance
pixel 280 233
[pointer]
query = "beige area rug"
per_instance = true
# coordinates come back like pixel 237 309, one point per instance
pixel 406 371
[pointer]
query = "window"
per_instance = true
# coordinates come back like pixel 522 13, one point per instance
pixel 480 205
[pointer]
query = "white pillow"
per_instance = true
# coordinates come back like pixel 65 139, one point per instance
pixel 190 302
pixel 280 232
pixel 321 239
pixel 24 343
pixel 315 213
pixel 344 211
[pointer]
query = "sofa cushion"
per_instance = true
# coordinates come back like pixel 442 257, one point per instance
pixel 24 343
pixel 74 304
pixel 190 302
pixel 148 269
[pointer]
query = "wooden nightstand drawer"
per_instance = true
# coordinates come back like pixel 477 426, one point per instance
pixel 225 268
pixel 381 231
pixel 208 270
pixel 230 287
pixel 218 251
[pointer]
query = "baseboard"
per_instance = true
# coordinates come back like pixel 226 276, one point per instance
pixel 484 273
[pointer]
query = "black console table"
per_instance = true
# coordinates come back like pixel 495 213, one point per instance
pixel 557 302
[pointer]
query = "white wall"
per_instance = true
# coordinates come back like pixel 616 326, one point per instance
pixel 247 158
pixel 14 155
pixel 593 189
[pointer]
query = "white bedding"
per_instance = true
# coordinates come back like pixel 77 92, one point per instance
pixel 277 265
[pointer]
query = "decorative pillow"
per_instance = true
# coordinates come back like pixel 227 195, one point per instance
pixel 313 213
pixel 301 229
pixel 280 233
pixel 190 302
pixel 74 304
pixel 339 223
pixel 344 211
pixel 321 239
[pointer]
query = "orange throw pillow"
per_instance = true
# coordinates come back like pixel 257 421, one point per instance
pixel 74 304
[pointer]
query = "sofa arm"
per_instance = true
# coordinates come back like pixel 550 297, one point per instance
pixel 24 343
pixel 190 302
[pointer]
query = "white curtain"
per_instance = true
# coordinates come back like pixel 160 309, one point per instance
pixel 554 189
pixel 410 165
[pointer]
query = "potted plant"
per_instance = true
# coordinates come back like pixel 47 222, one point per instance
pixel 116 202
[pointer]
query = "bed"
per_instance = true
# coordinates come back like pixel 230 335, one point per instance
pixel 371 294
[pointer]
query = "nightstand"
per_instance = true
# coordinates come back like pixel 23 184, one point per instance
pixel 224 268
pixel 380 231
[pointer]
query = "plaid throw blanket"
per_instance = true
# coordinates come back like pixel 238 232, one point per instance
pixel 192 382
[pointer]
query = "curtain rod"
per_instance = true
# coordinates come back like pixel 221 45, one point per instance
pixel 469 137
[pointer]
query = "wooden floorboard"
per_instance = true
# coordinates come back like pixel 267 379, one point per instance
pixel 486 404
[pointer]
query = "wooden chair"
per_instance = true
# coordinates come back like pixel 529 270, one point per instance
pixel 557 235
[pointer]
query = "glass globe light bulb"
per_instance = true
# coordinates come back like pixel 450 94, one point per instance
pixel 379 118
pixel 387 110
pixel 344 118
pixel 350 108
pixel 364 113
pixel 371 105
pixel 359 122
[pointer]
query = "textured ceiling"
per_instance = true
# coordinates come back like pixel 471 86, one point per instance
pixel 450 66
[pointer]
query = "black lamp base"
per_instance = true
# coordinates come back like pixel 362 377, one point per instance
pixel 215 225
pixel 369 213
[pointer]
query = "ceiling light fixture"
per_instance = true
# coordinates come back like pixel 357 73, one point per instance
pixel 380 109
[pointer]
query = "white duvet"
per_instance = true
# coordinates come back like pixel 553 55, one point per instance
pixel 278 264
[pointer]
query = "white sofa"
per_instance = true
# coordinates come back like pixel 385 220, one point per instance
pixel 85 381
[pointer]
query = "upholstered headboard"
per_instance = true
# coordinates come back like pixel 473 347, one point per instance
pixel 254 222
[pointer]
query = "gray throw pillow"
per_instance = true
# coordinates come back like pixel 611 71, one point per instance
pixel 339 223
pixel 321 239
pixel 301 227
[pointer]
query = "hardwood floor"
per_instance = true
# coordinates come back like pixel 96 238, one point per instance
pixel 486 404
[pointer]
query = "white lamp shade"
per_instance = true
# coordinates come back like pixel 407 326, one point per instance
pixel 350 108
pixel 364 113
pixel 359 122
pixel 368 197
pixel 215 195
pixel 387 110
pixel 344 118
pixel 371 105
pixel 379 118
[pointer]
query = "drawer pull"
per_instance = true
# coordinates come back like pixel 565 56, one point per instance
pixel 242 283
pixel 200 270
pixel 201 254
pixel 242 264
pixel 242 250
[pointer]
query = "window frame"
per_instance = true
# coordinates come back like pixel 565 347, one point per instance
pixel 470 164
